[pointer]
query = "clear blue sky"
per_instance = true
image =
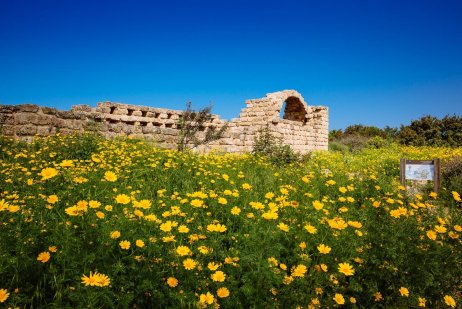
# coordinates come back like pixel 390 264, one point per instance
pixel 371 62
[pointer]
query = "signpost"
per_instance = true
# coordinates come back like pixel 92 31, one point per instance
pixel 421 170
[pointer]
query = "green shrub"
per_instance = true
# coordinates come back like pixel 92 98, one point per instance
pixel 266 144
pixel 452 174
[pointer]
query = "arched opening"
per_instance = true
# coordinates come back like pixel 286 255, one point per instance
pixel 293 109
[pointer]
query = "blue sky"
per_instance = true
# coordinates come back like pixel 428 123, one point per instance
pixel 371 62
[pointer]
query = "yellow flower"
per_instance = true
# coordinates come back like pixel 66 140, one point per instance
pixel 52 249
pixel 431 234
pixel 222 292
pixel 110 176
pixel 89 280
pixel 378 296
pixel 100 214
pixel 4 295
pixel 246 186
pixel 203 249
pixel 114 234
pixel 139 243
pixel 212 266
pixel 323 249
pixel 52 199
pixel 222 201
pixel 72 211
pixel 183 229
pixel 299 271
pixel 346 269
pixel 44 257
pixel 172 282
pixel 448 300
pixel 440 229
pixel 283 227
pixel 422 302
pixel 189 264
pixel 310 229
pixel 235 211
pixel 183 250
pixel 122 199
pixel 218 276
pixel 269 195
pixel 352 300
pixel 66 163
pixel 166 226
pixel 48 173
pixel 124 244
pixel 94 204
pixel 456 197
pixel 458 228
pixel 102 280
pixel 13 208
pixel 330 182
pixel 339 299
pixel 96 279
pixel 318 205
pixel 197 203
pixel 270 215
pixel 404 291
pixel 355 224
pixel 206 299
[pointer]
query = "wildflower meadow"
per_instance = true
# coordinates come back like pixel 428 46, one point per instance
pixel 94 223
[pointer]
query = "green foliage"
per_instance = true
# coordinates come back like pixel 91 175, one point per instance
pixel 366 219
pixel 336 146
pixel 452 174
pixel 426 131
pixel 191 123
pixel 431 131
pixel 268 145
pixel 361 130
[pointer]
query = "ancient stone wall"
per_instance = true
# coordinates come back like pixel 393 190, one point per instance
pixel 303 127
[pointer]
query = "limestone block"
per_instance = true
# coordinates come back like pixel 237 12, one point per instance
pixel 7 119
pixel 137 113
pixel 81 108
pixel 27 108
pixel 66 114
pixel 168 131
pixel 120 111
pixel 58 122
pixel 8 129
pixel 44 131
pixel 8 109
pixel 26 130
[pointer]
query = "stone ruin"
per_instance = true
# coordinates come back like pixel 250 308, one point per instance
pixel 304 128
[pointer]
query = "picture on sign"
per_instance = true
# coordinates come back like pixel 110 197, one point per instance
pixel 420 172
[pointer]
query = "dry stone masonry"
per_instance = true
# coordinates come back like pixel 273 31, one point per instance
pixel 285 113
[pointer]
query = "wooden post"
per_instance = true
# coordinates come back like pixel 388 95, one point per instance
pixel 403 172
pixel 437 178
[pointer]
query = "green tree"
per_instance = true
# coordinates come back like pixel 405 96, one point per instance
pixel 192 122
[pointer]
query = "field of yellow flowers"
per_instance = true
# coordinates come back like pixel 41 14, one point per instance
pixel 86 222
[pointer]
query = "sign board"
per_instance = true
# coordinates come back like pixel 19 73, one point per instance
pixel 421 170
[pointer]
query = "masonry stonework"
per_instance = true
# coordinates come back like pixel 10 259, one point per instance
pixel 303 127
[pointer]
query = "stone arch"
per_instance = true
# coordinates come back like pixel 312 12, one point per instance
pixel 289 105
pixel 293 110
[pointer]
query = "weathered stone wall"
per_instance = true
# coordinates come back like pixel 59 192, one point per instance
pixel 303 127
